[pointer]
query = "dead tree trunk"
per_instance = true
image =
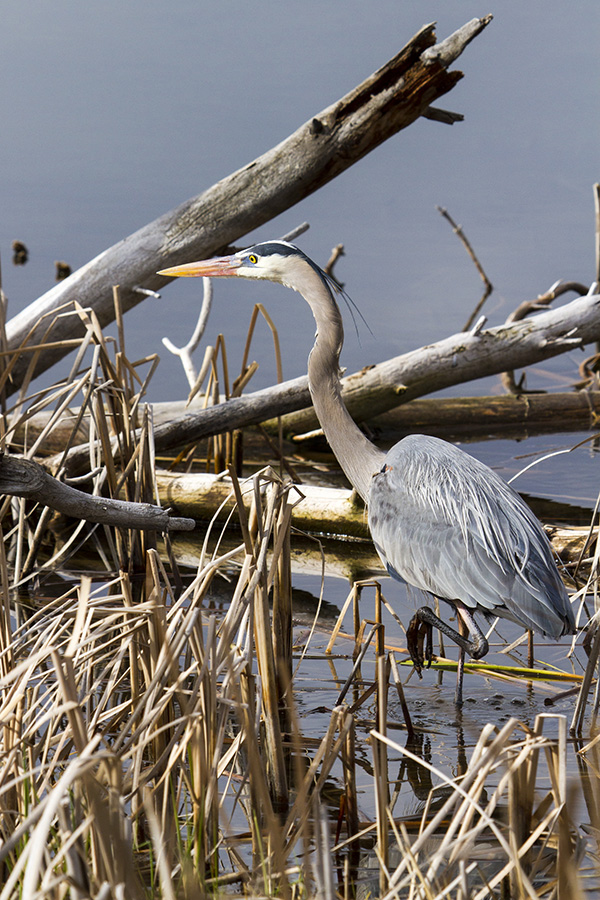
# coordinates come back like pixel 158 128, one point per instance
pixel 392 98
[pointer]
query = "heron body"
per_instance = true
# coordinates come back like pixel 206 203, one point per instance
pixel 441 520
pixel 465 534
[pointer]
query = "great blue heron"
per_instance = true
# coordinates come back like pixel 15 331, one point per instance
pixel 440 519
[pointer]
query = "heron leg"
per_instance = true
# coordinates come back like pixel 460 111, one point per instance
pixel 478 646
pixel 460 669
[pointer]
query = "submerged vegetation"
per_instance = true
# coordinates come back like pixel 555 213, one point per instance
pixel 159 741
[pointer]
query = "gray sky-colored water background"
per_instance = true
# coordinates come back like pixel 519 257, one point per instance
pixel 113 113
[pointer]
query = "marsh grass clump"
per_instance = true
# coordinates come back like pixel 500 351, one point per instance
pixel 153 744
pixel 137 760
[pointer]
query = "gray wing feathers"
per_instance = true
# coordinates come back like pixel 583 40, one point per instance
pixel 446 523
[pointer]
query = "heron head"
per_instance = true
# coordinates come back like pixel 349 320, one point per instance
pixel 271 261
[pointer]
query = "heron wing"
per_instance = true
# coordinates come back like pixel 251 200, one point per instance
pixel 446 523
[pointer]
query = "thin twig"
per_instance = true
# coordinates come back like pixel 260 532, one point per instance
pixel 337 251
pixel 488 286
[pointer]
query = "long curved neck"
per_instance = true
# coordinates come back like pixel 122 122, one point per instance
pixel 358 457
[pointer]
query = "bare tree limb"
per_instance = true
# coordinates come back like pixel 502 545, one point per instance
pixel 461 357
pixel 527 308
pixel 386 102
pixel 474 418
pixel 25 478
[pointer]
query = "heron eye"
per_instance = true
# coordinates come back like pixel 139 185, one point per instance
pixel 253 259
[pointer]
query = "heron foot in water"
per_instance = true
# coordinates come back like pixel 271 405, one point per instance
pixel 419 642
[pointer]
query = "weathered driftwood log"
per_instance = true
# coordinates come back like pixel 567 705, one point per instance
pixel 477 416
pixel 390 100
pixel 462 357
pixel 25 478
pixel 323 511
pixel 576 544
pixel 440 416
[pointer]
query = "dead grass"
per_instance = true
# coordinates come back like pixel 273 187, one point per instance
pixel 151 746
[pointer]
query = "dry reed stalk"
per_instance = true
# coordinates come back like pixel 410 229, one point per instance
pixel 265 657
pixel 163 865
pixel 469 815
pixel 219 445
pixel 322 863
pixel 381 776
pixel 340 621
pixel 280 576
pixel 364 643
pixel 588 677
pixel 401 697
pixel 247 370
pixel 588 764
pixel 593 637
pixel 350 795
pixel 6 660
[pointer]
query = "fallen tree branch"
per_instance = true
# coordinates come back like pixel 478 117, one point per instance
pixel 323 510
pixel 527 308
pixel 461 357
pixel 552 412
pixel 386 102
pixel 25 478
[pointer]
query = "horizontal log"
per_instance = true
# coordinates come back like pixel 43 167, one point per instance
pixel 323 510
pixel 440 416
pixel 478 416
pixel 570 543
